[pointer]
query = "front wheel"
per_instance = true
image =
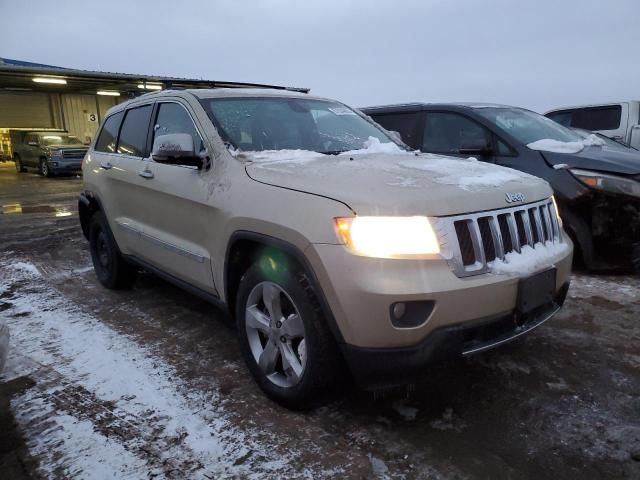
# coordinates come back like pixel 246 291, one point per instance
pixel 111 268
pixel 45 170
pixel 284 337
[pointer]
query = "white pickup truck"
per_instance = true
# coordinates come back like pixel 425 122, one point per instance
pixel 618 120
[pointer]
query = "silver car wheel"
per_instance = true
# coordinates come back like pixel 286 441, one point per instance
pixel 275 332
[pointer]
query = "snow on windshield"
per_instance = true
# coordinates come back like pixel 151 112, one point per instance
pixel 550 145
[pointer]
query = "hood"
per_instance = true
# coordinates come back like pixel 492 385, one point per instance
pixel 67 147
pixel 601 158
pixel 404 183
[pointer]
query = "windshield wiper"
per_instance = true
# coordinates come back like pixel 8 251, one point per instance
pixel 334 152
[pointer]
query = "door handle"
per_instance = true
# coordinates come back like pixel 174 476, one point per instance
pixel 106 165
pixel 146 173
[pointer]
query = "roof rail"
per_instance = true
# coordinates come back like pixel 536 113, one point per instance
pixel 218 84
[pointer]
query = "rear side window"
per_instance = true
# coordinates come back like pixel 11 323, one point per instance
pixel 407 124
pixel 109 134
pixel 134 132
pixel 449 132
pixel 597 118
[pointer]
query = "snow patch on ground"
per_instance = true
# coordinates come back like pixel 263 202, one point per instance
pixel 529 259
pixel 405 411
pixel 465 173
pixel 52 332
pixel 550 145
pixel 25 267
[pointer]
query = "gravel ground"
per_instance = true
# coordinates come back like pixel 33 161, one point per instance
pixel 149 383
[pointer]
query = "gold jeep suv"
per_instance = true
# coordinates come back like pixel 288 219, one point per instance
pixel 327 239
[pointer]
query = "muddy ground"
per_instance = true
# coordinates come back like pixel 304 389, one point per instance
pixel 149 383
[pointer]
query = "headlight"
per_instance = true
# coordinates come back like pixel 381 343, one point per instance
pixel 608 183
pixel 55 154
pixel 388 237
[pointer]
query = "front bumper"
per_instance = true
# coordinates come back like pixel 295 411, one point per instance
pixel 361 291
pixel 383 367
pixel 65 167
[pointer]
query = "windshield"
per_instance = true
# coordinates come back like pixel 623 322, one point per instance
pixel 527 127
pixel 59 139
pixel 272 123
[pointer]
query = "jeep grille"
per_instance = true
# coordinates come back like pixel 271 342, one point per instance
pixel 474 240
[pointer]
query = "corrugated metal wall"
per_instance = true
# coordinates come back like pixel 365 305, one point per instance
pixel 81 117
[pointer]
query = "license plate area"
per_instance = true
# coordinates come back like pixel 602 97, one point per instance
pixel 536 290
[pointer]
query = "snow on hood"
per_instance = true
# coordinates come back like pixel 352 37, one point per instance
pixel 403 182
pixel 549 145
pixel 467 174
pixel 529 259
pixel 373 145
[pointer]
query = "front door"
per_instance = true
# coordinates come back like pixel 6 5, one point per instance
pixel 170 209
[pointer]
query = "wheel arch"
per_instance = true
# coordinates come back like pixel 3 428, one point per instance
pixel 245 247
pixel 88 204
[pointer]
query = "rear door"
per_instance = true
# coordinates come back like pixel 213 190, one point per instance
pixel 122 170
pixel 170 210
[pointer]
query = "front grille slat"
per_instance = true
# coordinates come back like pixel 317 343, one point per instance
pixel 480 239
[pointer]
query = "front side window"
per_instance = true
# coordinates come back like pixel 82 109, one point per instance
pixel 109 134
pixel 449 132
pixel 134 131
pixel 526 126
pixel 407 124
pixel 173 118
pixel 281 123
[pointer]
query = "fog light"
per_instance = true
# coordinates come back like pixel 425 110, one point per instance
pixel 398 310
pixel 53 164
pixel 411 314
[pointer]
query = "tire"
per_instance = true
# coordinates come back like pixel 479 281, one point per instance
pixel 19 166
pixel 111 268
pixel 44 169
pixel 317 352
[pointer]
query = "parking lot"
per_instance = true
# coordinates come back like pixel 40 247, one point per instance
pixel 150 382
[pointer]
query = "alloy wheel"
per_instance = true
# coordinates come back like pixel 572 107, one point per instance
pixel 276 335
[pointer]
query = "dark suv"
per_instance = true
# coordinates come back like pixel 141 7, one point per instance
pixel 597 187
pixel 50 152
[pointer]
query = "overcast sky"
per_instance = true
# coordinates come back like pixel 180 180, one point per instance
pixel 537 54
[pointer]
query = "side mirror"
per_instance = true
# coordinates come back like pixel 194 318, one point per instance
pixel 33 144
pixel 176 149
pixel 476 148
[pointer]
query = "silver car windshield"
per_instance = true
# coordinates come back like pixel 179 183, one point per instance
pixel 526 126
pixel 275 123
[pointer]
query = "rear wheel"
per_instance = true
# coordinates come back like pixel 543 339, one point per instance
pixel 284 337
pixel 19 167
pixel 111 268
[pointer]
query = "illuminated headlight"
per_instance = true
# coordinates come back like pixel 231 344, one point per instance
pixel 608 183
pixel 388 237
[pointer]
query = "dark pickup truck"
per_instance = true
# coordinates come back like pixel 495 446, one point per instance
pixel 50 152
